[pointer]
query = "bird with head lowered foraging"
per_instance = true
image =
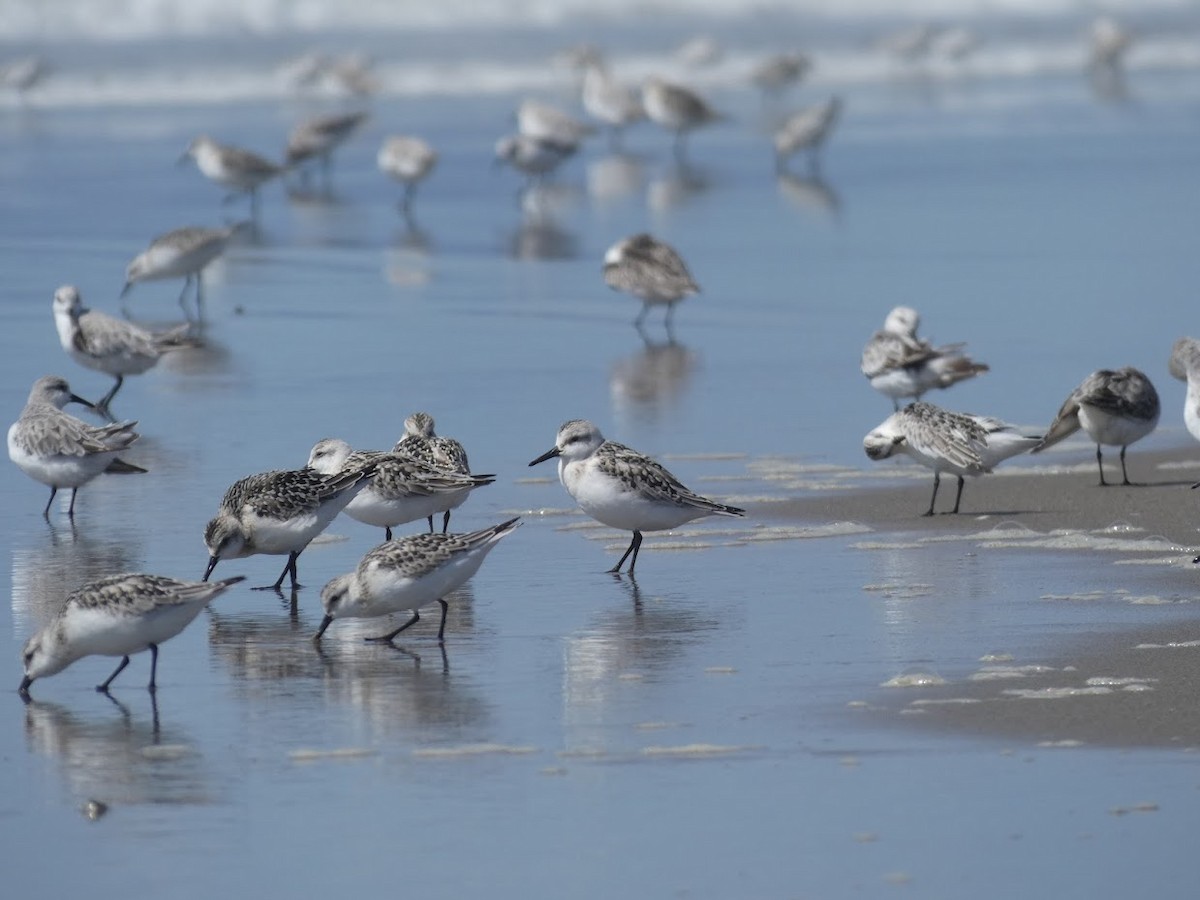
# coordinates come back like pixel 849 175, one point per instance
pixel 408 574
pixel 279 512
pixel 117 615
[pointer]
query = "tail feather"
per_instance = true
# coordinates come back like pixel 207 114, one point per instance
pixel 955 368
pixel 120 467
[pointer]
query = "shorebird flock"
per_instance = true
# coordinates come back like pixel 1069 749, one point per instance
pixel 425 475
pixel 1115 408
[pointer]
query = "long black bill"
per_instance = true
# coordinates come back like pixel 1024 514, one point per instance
pixel 325 623
pixel 212 564
pixel 75 398
pixel 23 690
pixel 549 454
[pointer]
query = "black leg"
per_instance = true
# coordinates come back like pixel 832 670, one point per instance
pixel 103 688
pixel 187 283
pixel 442 627
pixel 1124 475
pixel 958 496
pixel 937 477
pixel 289 568
pixel 50 502
pixel 391 635
pixel 153 685
pixel 1100 463
pixel 387 532
pixel 632 548
pixel 71 507
pixel 431 524
pixel 446 521
pixel 641 317
pixel 107 398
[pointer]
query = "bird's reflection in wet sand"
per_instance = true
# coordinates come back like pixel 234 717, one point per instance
pixel 678 185
pixel 408 685
pixel 811 194
pixel 635 639
pixel 540 234
pixel 49 568
pixel 406 261
pixel 652 380
pixel 111 756
pixel 614 177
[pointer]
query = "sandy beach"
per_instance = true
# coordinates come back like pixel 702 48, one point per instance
pixel 843 696
pixel 1130 687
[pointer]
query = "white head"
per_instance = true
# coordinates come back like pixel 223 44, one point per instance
pixel 328 456
pixel 137 269
pixel 903 320
pixel 338 596
pixel 67 301
pixel 884 441
pixel 419 424
pixel 225 539
pixel 46 653
pixel 53 389
pixel 577 439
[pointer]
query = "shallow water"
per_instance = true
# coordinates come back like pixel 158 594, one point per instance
pixel 699 732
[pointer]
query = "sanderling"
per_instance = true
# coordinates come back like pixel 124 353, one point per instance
pixel 279 512
pixel 1184 364
pixel 113 346
pixel 408 160
pixel 1108 42
pixel 944 441
pixel 676 109
pixel 182 253
pixel 421 441
pixel 622 488
pixel 408 574
pixel 533 157
pixel 61 451
pixel 240 171
pixel 117 616
pixel 545 122
pixel 699 51
pixel 318 137
pixel 607 100
pixel 806 130
pixel 402 489
pixel 775 73
pixel 900 364
pixel 1115 408
pixel 20 75
pixel 650 270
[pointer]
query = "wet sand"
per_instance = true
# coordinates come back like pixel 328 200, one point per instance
pixel 1134 687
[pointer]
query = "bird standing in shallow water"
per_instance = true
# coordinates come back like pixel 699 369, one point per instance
pixel 182 253
pixel 651 270
pixel 1115 408
pixel 622 488
pixel 279 512
pixel 113 346
pixel 408 574
pixel 61 451
pixel 117 616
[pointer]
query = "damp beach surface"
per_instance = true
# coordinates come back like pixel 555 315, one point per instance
pixel 831 697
